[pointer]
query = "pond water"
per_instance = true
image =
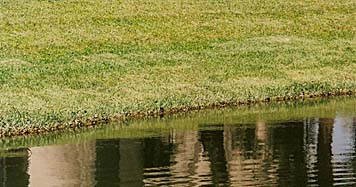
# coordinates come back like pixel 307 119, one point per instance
pixel 310 143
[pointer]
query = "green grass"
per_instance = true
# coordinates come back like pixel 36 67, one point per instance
pixel 245 116
pixel 64 59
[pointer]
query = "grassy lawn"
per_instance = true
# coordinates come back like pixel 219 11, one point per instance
pixel 62 60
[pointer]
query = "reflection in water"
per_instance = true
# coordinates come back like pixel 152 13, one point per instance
pixel 324 153
pixel 107 162
pixel 119 162
pixel 66 165
pixel 13 168
pixel 343 152
pixel 213 145
pixel 308 152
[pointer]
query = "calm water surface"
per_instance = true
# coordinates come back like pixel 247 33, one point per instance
pixel 304 144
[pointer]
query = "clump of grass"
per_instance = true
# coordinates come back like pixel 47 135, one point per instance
pixel 67 60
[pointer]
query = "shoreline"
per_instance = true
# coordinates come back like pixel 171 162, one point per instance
pixel 94 121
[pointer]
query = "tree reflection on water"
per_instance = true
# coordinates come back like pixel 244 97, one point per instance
pixel 311 151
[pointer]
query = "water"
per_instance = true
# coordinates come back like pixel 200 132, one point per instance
pixel 300 144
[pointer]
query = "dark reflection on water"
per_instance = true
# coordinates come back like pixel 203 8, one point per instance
pixel 305 152
pixel 14 168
